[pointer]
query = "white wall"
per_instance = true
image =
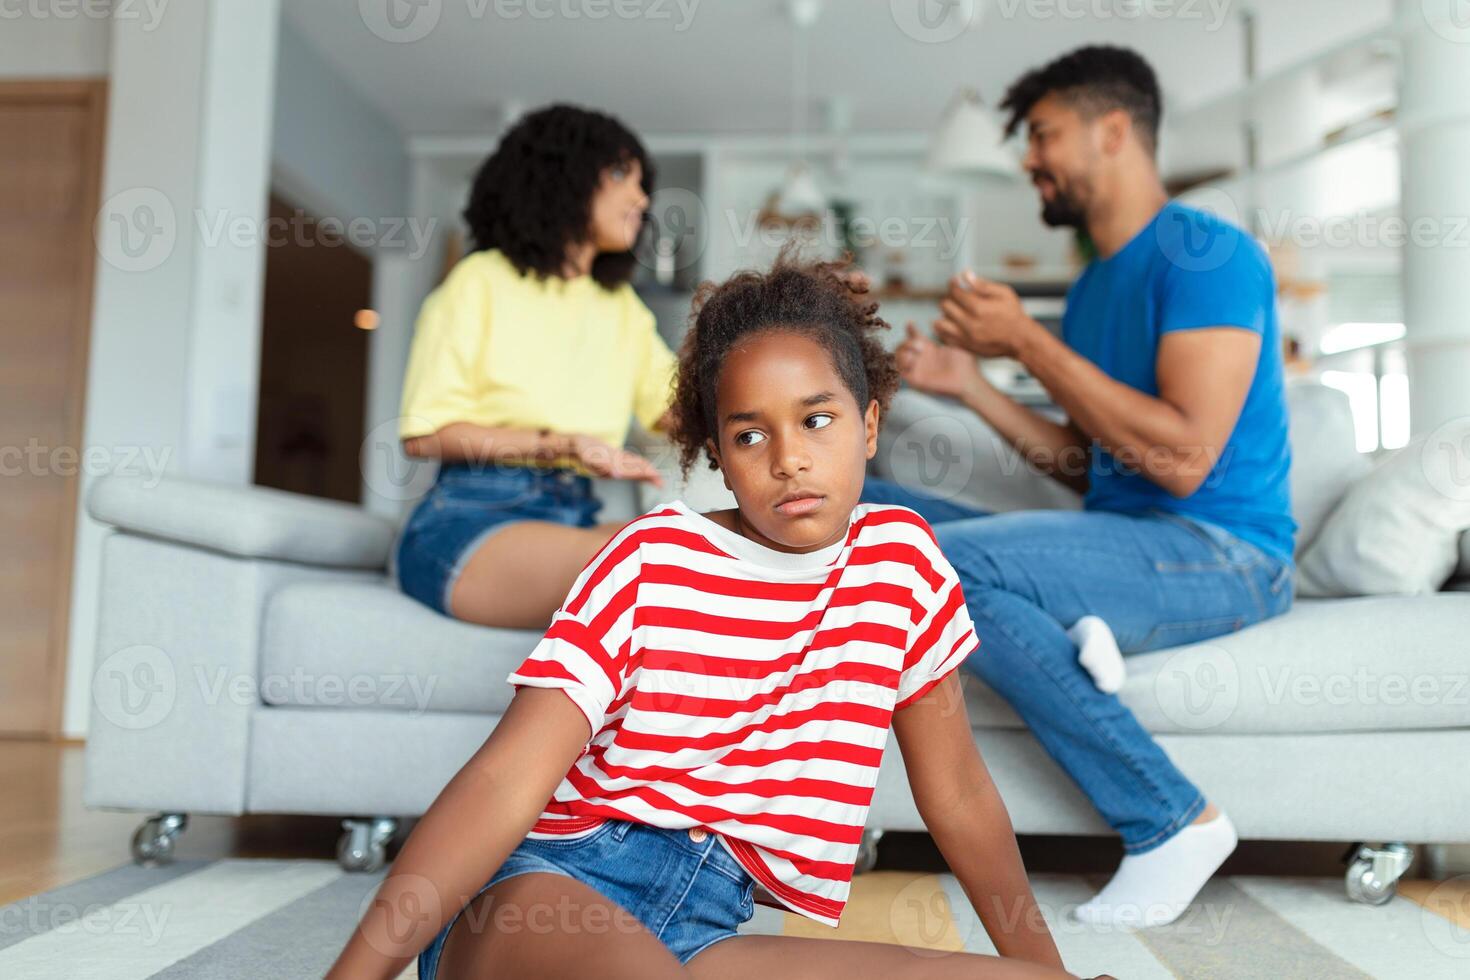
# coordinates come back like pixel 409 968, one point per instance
pixel 332 152
pixel 36 42
pixel 336 156
pixel 136 381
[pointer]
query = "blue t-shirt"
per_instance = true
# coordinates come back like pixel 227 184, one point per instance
pixel 1189 269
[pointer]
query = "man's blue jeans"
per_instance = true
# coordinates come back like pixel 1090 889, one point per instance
pixel 1158 579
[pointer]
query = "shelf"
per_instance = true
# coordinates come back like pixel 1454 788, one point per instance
pixel 1238 102
pixel 1295 165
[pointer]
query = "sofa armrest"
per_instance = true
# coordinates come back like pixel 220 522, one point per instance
pixel 176 672
pixel 245 521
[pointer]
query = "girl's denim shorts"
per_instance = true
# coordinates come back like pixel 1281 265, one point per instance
pixel 467 503
pixel 682 885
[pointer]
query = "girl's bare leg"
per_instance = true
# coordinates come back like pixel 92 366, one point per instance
pixel 546 925
pixel 521 573
pixel 797 956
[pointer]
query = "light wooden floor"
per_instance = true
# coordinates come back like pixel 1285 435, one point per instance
pixel 47 838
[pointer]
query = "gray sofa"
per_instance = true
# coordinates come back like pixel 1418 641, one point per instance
pixel 254 658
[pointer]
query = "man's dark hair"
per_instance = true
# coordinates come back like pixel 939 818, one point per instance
pixel 1093 80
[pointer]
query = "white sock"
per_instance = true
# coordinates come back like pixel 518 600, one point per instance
pixel 1098 653
pixel 1155 887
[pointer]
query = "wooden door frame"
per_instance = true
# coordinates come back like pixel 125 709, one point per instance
pixel 91 95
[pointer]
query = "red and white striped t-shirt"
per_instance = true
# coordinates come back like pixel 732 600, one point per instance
pixel 749 691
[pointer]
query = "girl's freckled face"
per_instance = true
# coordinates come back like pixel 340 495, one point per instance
pixel 793 441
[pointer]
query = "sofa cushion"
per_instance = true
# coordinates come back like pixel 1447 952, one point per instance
pixel 367 645
pixel 246 521
pixel 1329 665
pixel 1324 455
pixel 1398 530
pixel 939 445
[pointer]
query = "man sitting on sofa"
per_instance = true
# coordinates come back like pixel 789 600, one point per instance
pixel 1170 375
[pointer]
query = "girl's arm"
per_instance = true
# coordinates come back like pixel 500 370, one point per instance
pixel 967 819
pixel 476 821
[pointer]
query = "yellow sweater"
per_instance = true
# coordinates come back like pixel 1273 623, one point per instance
pixel 496 348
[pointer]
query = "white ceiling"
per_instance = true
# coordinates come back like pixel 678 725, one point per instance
pixel 727 67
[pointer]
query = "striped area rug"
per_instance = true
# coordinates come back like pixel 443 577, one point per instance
pixel 282 919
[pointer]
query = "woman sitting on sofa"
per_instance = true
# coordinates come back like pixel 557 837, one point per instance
pixel 526 364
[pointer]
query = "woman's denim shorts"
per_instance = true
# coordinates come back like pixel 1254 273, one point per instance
pixel 466 504
pixel 682 885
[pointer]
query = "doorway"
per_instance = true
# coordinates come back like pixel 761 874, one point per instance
pixel 50 175
pixel 313 358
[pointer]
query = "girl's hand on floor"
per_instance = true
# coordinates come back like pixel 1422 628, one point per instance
pixel 613 462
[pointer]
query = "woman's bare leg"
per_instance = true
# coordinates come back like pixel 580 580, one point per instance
pixel 839 959
pixel 546 925
pixel 520 574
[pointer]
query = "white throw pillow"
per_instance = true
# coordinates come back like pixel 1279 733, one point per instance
pixel 1398 529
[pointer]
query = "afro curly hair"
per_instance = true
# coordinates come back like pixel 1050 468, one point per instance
pixel 532 197
pixel 821 300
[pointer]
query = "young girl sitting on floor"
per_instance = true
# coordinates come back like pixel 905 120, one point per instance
pixel 707 711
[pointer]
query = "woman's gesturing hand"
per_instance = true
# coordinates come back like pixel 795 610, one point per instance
pixel 612 461
pixel 936 368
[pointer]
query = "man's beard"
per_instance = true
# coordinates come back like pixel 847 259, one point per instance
pixel 1063 210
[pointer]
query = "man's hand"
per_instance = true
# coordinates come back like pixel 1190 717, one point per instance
pixel 936 368
pixel 984 317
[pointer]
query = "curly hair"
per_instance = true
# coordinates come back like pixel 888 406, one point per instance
pixel 1093 79
pixel 816 299
pixel 532 197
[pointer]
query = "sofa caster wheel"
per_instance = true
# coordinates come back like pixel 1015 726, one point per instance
pixel 867 855
pixel 1373 874
pixel 363 845
pixel 153 841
